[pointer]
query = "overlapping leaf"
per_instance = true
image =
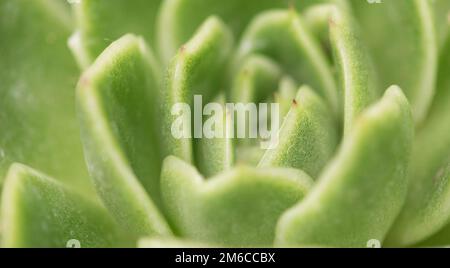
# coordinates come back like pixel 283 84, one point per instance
pixel 344 50
pixel 236 208
pixel 40 212
pixel 307 138
pixel 38 126
pixel 100 22
pixel 403 39
pixel 362 190
pixel 427 208
pixel 115 98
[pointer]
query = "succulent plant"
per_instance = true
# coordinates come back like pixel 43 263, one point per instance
pixel 86 95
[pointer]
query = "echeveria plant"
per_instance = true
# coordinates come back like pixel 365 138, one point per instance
pixel 87 89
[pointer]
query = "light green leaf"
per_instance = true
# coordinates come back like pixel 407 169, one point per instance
pixel 363 189
pixel 256 79
pixel 38 211
pixel 285 94
pixel 439 239
pixel 115 99
pixel 358 85
pixel 196 70
pixel 441 10
pixel 215 154
pixel 403 40
pixel 100 22
pixel 258 76
pixel 357 79
pixel 307 138
pixel 282 36
pixel 179 19
pixel 37 115
pixel 236 208
pixel 428 204
pixel 249 154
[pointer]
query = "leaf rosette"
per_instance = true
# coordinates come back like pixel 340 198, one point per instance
pixel 87 93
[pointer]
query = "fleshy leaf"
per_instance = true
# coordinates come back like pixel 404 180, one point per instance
pixel 179 19
pixel 216 153
pixel 439 239
pixel 428 204
pixel 283 36
pixel 307 138
pixel 402 38
pixel 205 53
pixel 358 85
pixel 286 92
pixel 115 99
pixel 37 115
pixel 249 154
pixel 100 22
pixel 441 10
pixel 236 208
pixel 363 189
pixel 257 77
pixel 38 211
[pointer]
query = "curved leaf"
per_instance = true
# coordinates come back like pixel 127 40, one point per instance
pixel 256 78
pixel 307 138
pixel 282 36
pixel 237 208
pixel 361 192
pixel 249 155
pixel 179 19
pixel 100 22
pixel 439 239
pixel 37 115
pixel 286 92
pixel 357 78
pixel 206 52
pixel 405 49
pixel 441 10
pixel 40 212
pixel 215 154
pixel 115 97
pixel 428 204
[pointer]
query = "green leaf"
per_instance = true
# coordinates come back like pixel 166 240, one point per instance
pixel 357 79
pixel 307 138
pixel 236 208
pixel 215 154
pixel 358 85
pixel 196 70
pixel 37 114
pixel 100 22
pixel 363 189
pixel 249 155
pixel 441 10
pixel 115 99
pixel 256 78
pixel 38 211
pixel 179 19
pixel 283 36
pixel 427 209
pixel 285 94
pixel 402 38
pixel 439 239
